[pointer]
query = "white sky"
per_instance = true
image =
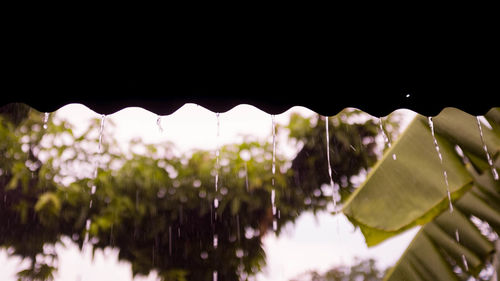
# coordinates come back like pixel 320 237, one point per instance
pixel 312 243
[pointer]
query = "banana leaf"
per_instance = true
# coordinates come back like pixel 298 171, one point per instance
pixel 400 194
pixel 437 239
pixel 410 191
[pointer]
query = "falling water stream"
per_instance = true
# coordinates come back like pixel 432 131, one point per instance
pixel 450 204
pixel 386 138
pixel 45 120
pixel 96 166
pixel 485 148
pixel 436 145
pixel 158 123
pixel 217 152
pixel 246 176
pixel 170 240
pixel 216 201
pixel 273 192
pixel 335 191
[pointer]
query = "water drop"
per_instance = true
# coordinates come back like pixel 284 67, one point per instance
pixel 45 120
pixel 494 171
pixel 215 275
pixel 386 138
pixel 87 229
pixel 216 241
pixel 457 236
pixel 101 129
pixel 203 255
pixel 216 203
pixel 170 240
pixel 466 265
pixel 239 253
pixel 246 176
pixel 158 122
pixel 238 228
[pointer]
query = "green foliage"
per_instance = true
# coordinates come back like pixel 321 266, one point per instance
pixel 41 272
pixel 352 150
pixel 365 270
pixel 158 208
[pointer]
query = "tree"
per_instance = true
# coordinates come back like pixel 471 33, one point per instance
pixel 362 269
pixel 163 212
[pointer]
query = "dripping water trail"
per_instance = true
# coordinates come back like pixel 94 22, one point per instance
pixel 94 186
pixel 246 176
pixel 386 138
pixel 216 201
pixel 216 241
pixel 238 235
pixel 158 123
pixel 335 189
pixel 217 152
pixel 170 240
pixel 217 166
pixel 45 120
pixel 273 191
pixel 485 148
pixel 101 129
pixel 450 204
pixel 436 145
pixel 464 260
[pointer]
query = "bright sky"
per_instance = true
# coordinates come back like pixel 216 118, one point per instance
pixel 312 243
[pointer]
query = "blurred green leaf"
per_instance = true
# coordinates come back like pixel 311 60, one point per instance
pixel 48 201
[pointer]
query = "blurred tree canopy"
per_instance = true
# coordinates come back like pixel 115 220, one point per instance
pixel 362 269
pixel 158 209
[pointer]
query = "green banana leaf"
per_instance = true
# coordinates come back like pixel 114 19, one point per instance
pixel 400 194
pixel 482 202
pixel 436 247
